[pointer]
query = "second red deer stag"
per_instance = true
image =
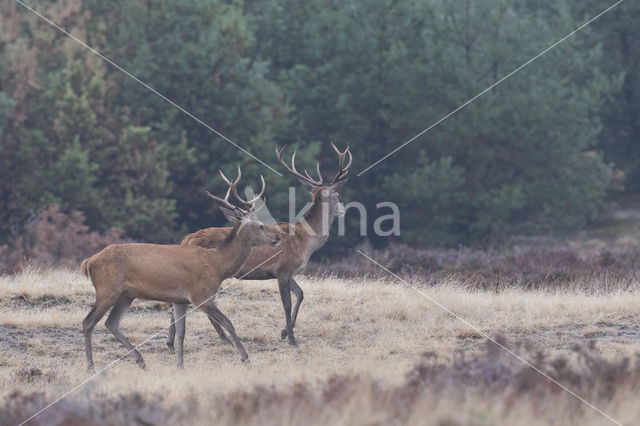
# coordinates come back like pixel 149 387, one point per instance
pixel 174 274
pixel 299 240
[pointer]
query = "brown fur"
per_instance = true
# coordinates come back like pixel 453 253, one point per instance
pixel 296 248
pixel 84 268
pixel 300 240
pixel 175 274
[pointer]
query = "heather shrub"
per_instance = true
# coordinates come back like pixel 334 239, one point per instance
pixel 584 370
pixel 126 409
pixel 486 375
pixel 530 266
pixel 355 399
pixel 54 238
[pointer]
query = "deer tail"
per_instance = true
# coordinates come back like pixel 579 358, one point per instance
pixel 84 268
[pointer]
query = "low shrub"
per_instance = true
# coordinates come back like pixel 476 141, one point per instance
pixel 489 377
pixel 54 238
pixel 527 266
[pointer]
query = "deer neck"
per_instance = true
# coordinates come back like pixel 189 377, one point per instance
pixel 233 251
pixel 319 218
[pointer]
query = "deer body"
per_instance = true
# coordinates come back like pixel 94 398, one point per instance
pixel 296 247
pixel 298 244
pixel 176 274
pixel 171 273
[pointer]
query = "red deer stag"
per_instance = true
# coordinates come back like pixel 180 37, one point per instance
pixel 175 274
pixel 299 240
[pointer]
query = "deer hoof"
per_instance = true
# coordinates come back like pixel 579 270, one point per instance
pixel 141 364
pixel 292 340
pixel 170 346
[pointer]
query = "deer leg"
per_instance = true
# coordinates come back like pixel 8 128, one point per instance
pixel 113 324
pixel 172 331
pixel 100 308
pixel 216 315
pixel 179 312
pixel 285 295
pixel 299 298
pixel 220 331
pixel 293 285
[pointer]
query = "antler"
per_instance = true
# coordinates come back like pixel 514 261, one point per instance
pixel 296 173
pixel 232 186
pixel 250 203
pixel 343 170
pixel 224 202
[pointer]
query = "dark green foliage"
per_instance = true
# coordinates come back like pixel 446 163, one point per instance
pixel 373 75
pixel 196 54
pixel 620 138
pixel 433 190
pixel 95 140
pixel 535 154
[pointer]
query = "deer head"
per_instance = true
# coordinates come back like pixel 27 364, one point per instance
pixel 245 217
pixel 322 192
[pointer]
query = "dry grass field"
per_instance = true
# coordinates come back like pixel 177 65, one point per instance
pixel 370 352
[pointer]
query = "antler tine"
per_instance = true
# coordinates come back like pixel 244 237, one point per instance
pixel 292 169
pixel 226 180
pixel 257 197
pixel 280 152
pixel 250 203
pixel 239 175
pixel 342 169
pixel 224 201
pixel 346 168
pixel 232 186
pixel 335 148
pixel 319 174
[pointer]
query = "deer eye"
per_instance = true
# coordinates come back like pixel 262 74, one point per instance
pixel 262 227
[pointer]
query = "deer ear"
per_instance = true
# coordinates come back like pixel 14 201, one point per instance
pixel 337 187
pixel 231 215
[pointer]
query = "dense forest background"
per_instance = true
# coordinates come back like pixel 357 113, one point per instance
pixel 542 153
